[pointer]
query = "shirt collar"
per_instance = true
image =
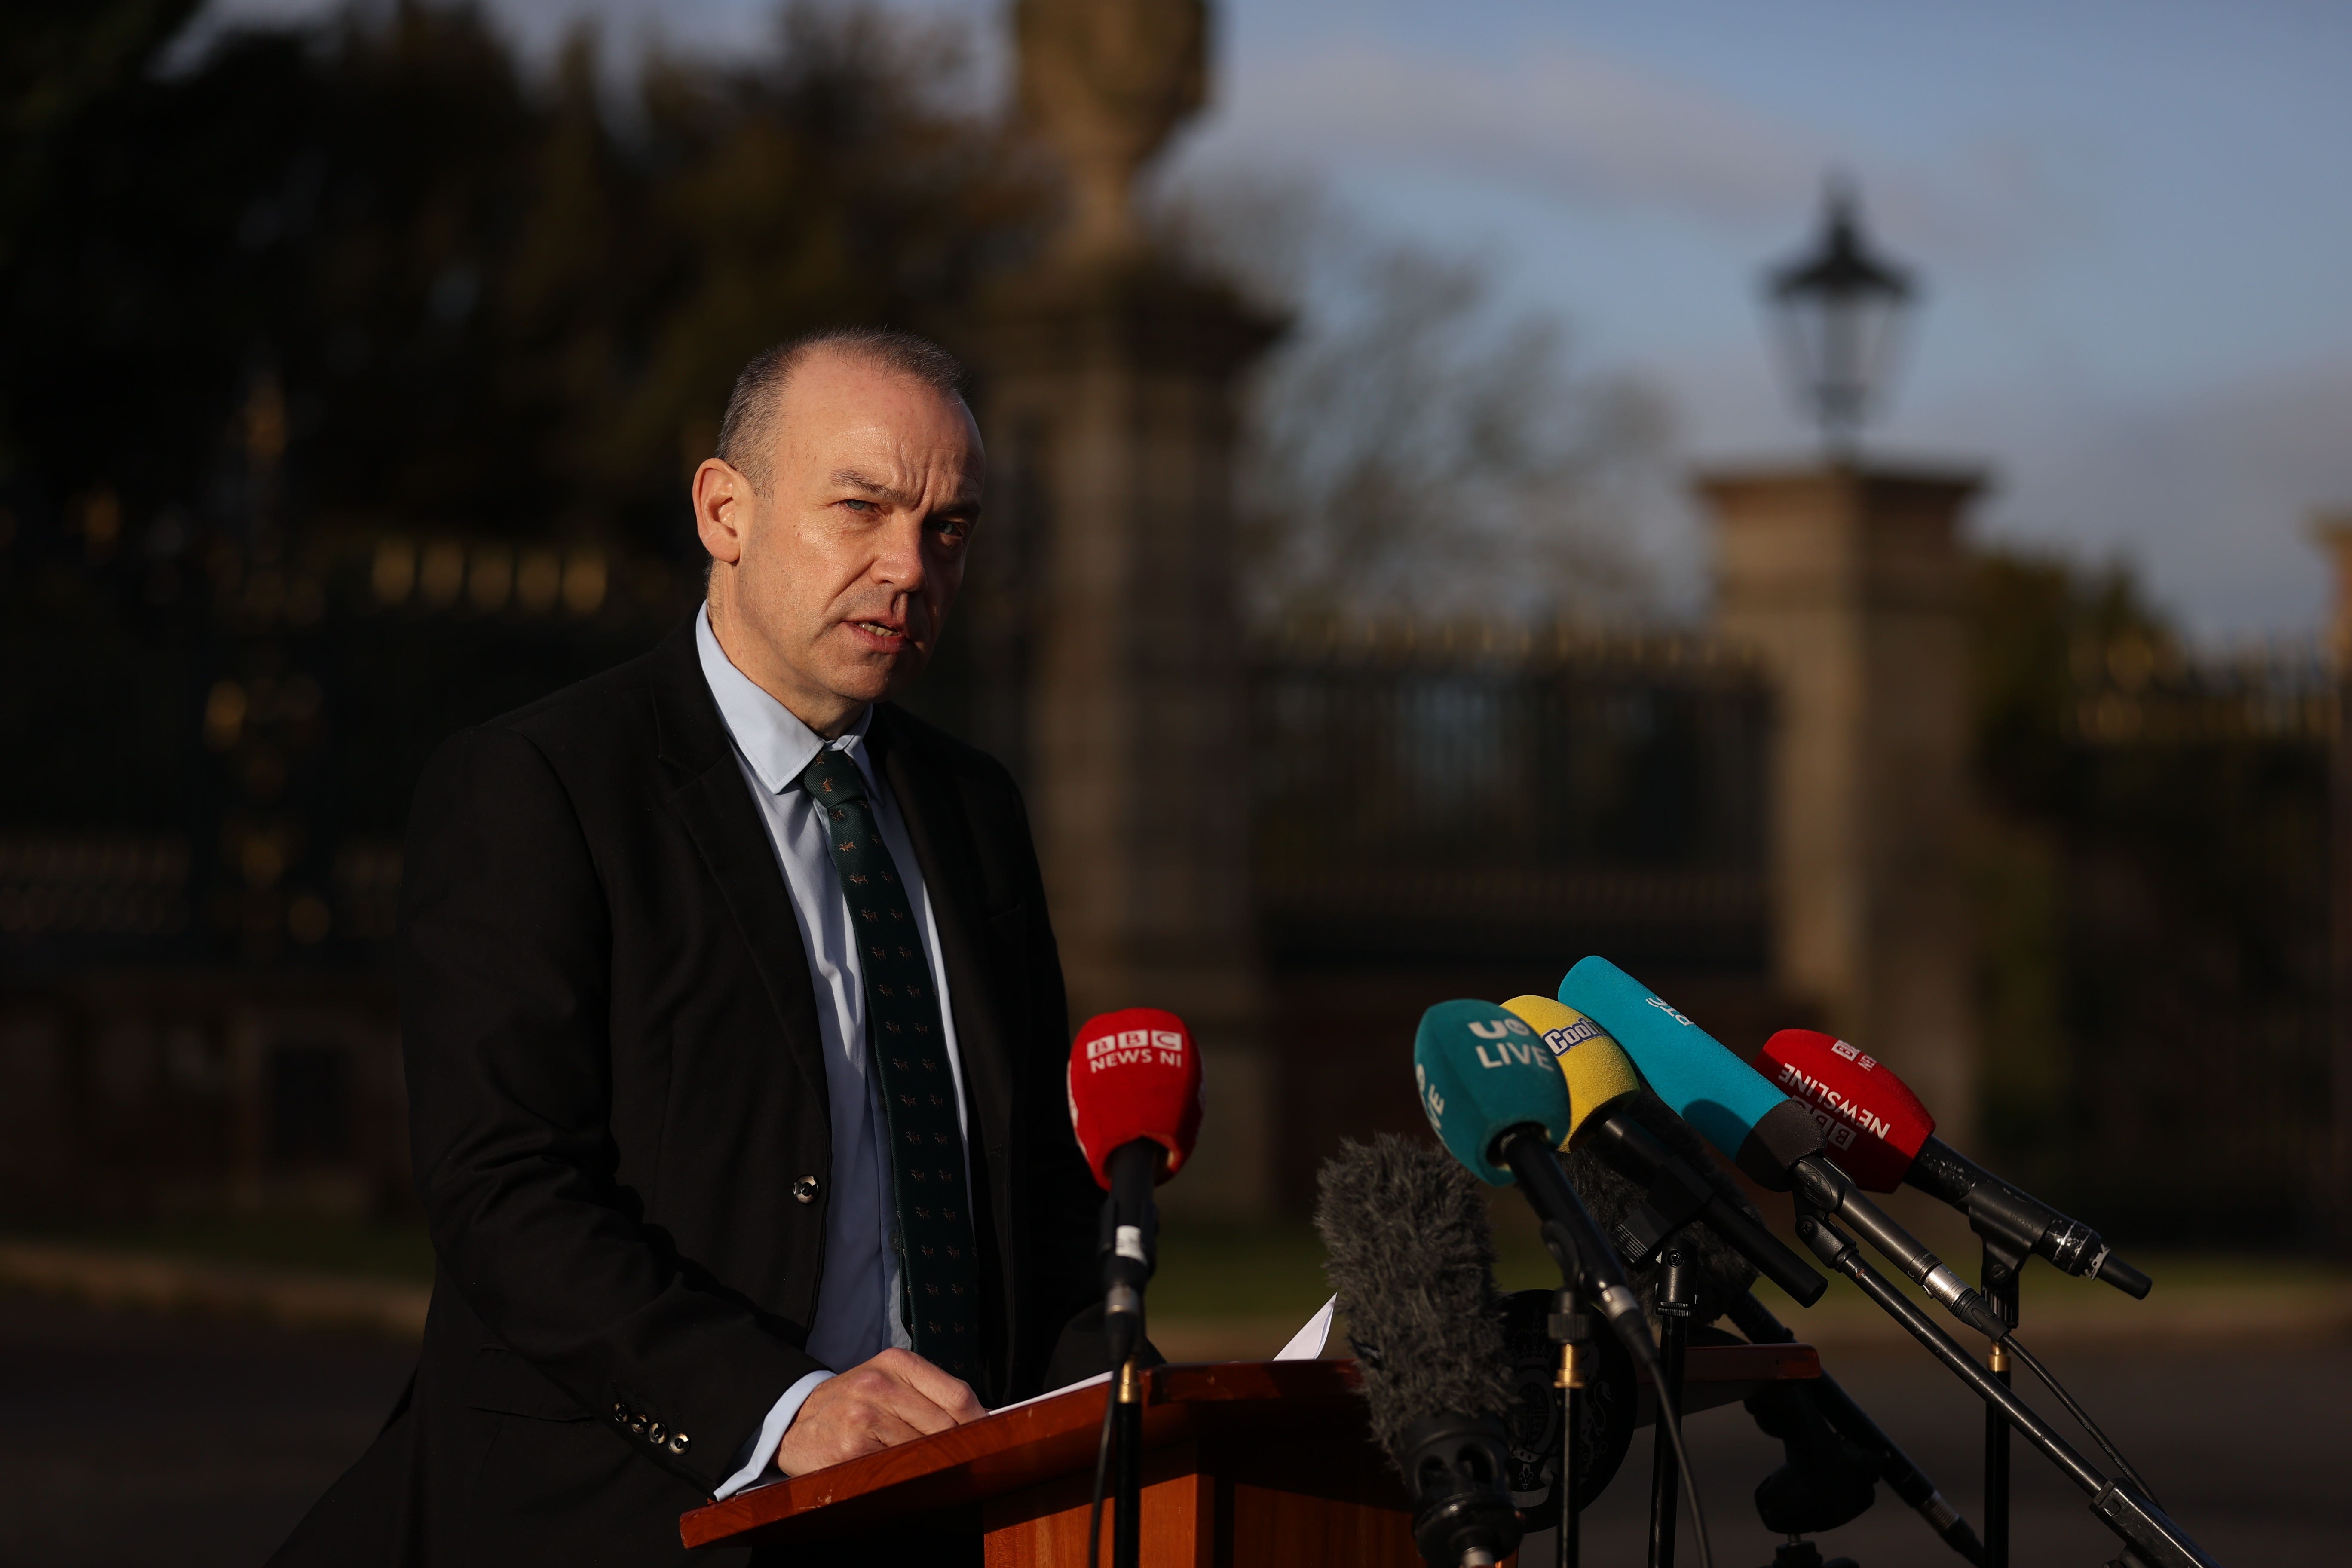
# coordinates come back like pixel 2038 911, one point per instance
pixel 776 743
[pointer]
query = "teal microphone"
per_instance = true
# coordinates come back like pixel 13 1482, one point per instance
pixel 1733 1106
pixel 1495 1097
pixel 1483 1072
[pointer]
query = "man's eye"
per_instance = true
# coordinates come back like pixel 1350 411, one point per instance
pixel 954 528
pixel 856 505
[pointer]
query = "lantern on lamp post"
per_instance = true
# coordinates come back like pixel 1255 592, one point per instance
pixel 1838 313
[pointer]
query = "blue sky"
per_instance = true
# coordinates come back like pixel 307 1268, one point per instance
pixel 2134 219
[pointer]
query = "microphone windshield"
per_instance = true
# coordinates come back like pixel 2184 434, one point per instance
pixel 1134 1074
pixel 1412 1261
pixel 1875 1126
pixel 1598 1071
pixel 1733 1106
pixel 1482 1071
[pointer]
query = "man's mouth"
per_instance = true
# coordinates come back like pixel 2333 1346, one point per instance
pixel 881 631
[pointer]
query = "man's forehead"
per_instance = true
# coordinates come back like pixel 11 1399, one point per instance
pixel 830 380
pixel 847 415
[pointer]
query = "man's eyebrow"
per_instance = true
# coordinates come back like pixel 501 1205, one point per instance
pixel 966 499
pixel 851 479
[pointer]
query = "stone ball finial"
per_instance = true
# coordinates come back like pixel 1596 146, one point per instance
pixel 1105 82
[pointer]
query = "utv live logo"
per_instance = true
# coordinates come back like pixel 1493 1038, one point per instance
pixel 1509 1050
pixel 1136 1047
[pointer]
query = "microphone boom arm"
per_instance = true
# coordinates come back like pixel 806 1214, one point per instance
pixel 1902 1475
pixel 1831 1191
pixel 1580 1245
pixel 2136 1521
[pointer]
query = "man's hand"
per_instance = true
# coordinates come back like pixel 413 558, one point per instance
pixel 894 1398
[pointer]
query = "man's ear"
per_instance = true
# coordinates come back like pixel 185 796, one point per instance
pixel 723 499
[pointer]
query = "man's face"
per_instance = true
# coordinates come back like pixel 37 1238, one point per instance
pixel 836 581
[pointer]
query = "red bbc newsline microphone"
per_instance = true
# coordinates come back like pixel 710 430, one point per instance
pixel 1135 1105
pixel 1878 1131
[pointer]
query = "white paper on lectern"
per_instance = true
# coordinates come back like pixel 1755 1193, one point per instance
pixel 1309 1342
pixel 1304 1345
pixel 1082 1383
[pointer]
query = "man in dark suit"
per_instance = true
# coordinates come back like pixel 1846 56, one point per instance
pixel 734 1028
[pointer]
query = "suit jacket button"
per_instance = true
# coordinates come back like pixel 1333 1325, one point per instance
pixel 677 1442
pixel 656 1435
pixel 805 1189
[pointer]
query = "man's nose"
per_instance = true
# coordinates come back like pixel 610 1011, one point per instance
pixel 899 559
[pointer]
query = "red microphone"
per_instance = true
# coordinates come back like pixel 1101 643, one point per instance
pixel 1135 1074
pixel 1135 1105
pixel 1884 1137
pixel 1874 1125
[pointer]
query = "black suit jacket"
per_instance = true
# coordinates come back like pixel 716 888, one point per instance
pixel 618 1114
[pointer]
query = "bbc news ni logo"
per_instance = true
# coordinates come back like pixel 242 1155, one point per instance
pixel 1133 1048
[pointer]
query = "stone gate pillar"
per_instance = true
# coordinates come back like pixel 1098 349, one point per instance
pixel 1849 582
pixel 1108 404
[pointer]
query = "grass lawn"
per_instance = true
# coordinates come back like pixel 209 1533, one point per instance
pixel 1208 1271
pixel 386 1250
pixel 1276 1269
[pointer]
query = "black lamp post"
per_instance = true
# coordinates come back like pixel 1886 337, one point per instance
pixel 1837 314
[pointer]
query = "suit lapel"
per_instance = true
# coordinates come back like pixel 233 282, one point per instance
pixel 715 805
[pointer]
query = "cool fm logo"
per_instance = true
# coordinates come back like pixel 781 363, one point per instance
pixel 1561 1041
pixel 1133 1048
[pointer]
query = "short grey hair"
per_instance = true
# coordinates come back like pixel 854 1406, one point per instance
pixel 748 430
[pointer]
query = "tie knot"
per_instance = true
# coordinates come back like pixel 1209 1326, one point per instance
pixel 832 779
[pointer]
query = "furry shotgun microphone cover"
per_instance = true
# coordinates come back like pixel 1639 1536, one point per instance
pixel 1412 1259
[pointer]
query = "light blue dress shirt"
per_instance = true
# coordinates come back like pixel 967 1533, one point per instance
pixel 858 1313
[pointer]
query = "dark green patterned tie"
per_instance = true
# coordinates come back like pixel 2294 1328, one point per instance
pixel 909 1052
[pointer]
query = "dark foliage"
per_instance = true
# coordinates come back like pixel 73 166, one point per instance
pixel 2155 909
pixel 490 303
pixel 291 316
pixel 318 287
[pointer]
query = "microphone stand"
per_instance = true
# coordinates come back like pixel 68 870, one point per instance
pixel 2138 1522
pixel 1127 1523
pixel 1674 1339
pixel 1130 1227
pixel 1571 1330
pixel 1999 1280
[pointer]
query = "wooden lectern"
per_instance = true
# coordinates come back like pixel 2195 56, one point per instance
pixel 1246 1465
